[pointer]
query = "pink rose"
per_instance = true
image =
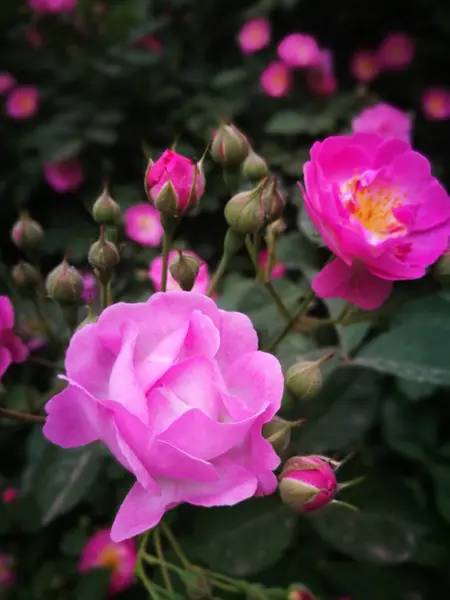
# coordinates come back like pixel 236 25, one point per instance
pixel 65 176
pixel 276 79
pixel 299 50
pixel 174 183
pixel 388 121
pixel 436 104
pixel 22 103
pixel 254 35
pixel 143 225
pixel 120 558
pixel 178 392
pixel 364 66
pixel 155 274
pixel 7 82
pixel 12 349
pixel 396 51
pixel 379 210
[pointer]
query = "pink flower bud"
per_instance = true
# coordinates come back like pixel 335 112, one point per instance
pixel 27 233
pixel 229 147
pixel 307 483
pixel 174 184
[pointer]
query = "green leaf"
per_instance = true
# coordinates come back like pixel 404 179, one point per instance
pixel 345 408
pixel 244 539
pixel 288 122
pixel 366 535
pixel 418 345
pixel 440 472
pixel 296 252
pixel 65 478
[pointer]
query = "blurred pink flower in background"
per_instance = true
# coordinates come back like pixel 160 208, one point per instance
pixel 7 574
pixel 155 273
pixel 34 37
pixel 89 286
pixel 22 102
pixel 9 495
pixel 299 50
pixel 12 349
pixel 436 104
pixel 254 35
pixel 151 43
pixel 7 82
pixel 276 79
pixel 143 225
pixel 396 51
pixel 379 210
pixel 320 78
pixel 64 176
pixel 388 121
pixel 120 558
pixel 364 66
pixel 52 6
pixel 278 269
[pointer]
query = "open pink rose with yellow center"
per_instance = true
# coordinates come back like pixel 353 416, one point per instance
pixel 178 392
pixel 379 210
pixel 388 121
pixel 120 559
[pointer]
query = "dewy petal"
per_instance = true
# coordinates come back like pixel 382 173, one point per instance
pixel 355 284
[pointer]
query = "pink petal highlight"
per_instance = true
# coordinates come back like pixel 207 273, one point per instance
pixel 254 35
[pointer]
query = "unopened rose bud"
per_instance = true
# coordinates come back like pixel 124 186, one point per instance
pixel 229 146
pixel 174 184
pixel 105 210
pixel 299 592
pixel 198 586
pixel 278 433
pixel 245 211
pixel 103 256
pixel 27 233
pixel 184 269
pixel 90 318
pixel 307 483
pixel 304 378
pixel 64 284
pixel 25 276
pixel 254 166
pixel 441 269
pixel 273 201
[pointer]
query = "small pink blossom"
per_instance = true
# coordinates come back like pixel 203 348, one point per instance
pixel 155 273
pixel 12 349
pixel 299 50
pixel 22 102
pixel 151 43
pixel 436 104
pixel 379 210
pixel 254 35
pixel 320 79
pixel 174 183
pixel 178 391
pixel 276 79
pixel 120 558
pixel 388 121
pixel 7 82
pixel 278 269
pixel 52 6
pixel 307 483
pixel 396 51
pixel 65 176
pixel 9 495
pixel 364 66
pixel 143 225
pixel 90 286
pixel 7 573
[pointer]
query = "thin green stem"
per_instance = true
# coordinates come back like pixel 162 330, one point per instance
pixel 140 571
pixel 43 317
pixel 176 546
pixel 167 243
pixel 105 293
pixel 160 555
pixel 218 274
pixel 301 310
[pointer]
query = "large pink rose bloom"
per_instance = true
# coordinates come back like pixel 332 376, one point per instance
pixel 178 391
pixel 102 552
pixel 12 349
pixel 388 121
pixel 64 176
pixel 379 210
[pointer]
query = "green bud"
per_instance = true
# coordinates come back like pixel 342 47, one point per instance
pixel 184 269
pixel 278 433
pixel 229 146
pixel 64 284
pixel 198 586
pixel 273 201
pixel 304 378
pixel 254 167
pixel 25 276
pixel 105 210
pixel 103 256
pixel 27 233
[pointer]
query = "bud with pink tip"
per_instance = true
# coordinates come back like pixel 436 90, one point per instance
pixel 64 284
pixel 174 184
pixel 300 592
pixel 229 147
pixel 27 233
pixel 307 483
